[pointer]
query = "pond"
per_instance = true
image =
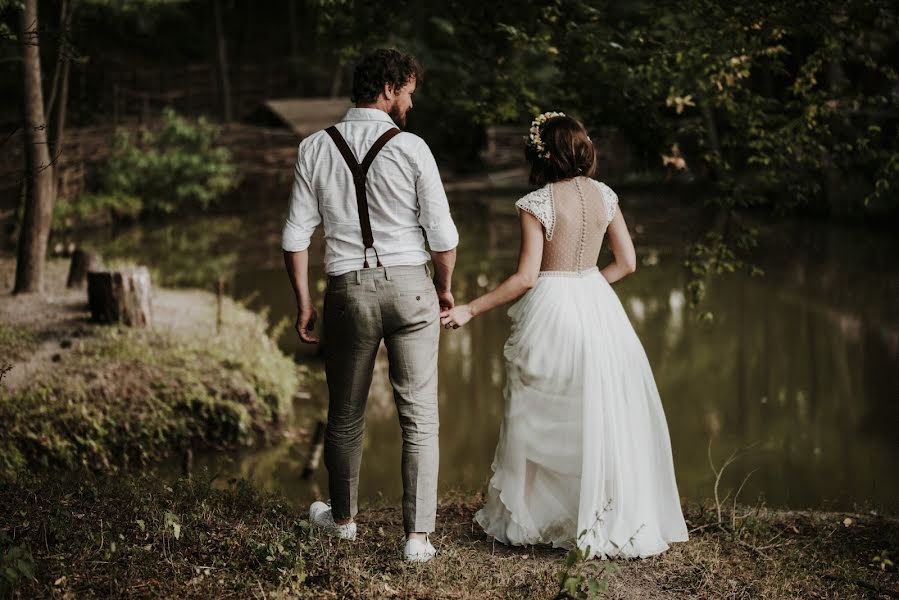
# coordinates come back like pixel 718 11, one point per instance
pixel 800 365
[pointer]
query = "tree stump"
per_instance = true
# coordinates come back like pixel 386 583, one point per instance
pixel 121 296
pixel 83 261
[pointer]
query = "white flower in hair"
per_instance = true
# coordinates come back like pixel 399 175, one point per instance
pixel 534 139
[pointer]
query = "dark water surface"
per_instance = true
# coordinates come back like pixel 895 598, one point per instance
pixel 802 363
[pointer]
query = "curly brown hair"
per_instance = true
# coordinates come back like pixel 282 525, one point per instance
pixel 571 153
pixel 385 65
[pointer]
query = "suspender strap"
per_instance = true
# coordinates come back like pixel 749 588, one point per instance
pixel 360 174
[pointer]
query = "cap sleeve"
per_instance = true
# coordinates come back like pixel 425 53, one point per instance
pixel 540 204
pixel 609 198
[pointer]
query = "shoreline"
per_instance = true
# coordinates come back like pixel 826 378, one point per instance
pixel 79 395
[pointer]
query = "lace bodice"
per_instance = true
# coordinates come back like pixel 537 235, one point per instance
pixel 575 214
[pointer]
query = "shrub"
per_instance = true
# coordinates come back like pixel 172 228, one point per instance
pixel 178 166
pixel 96 209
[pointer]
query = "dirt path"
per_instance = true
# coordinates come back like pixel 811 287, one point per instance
pixel 60 314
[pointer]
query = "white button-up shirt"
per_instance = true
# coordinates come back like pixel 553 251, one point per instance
pixel 406 200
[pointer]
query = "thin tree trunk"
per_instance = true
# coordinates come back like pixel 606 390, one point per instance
pixel 337 81
pixel 39 195
pixel 838 201
pixel 56 111
pixel 61 47
pixel 222 55
pixel 65 64
pixel 59 129
pixel 711 129
pixel 310 27
pixel 293 26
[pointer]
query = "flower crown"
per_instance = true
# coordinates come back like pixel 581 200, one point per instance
pixel 534 139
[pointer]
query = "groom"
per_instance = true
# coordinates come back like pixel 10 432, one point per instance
pixel 378 194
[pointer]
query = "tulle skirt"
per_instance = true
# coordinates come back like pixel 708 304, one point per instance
pixel 584 455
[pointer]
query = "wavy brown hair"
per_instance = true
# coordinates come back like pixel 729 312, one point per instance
pixel 571 152
pixel 385 65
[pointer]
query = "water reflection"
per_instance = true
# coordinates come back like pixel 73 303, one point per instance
pixel 802 362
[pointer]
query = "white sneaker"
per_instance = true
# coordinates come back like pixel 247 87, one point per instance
pixel 320 516
pixel 419 551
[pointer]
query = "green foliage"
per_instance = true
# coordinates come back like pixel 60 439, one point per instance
pixel 717 254
pixel 175 168
pixel 7 31
pixel 882 561
pixel 581 578
pixel 16 562
pixel 777 103
pixel 100 208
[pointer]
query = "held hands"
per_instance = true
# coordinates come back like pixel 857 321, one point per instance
pixel 306 323
pixel 445 297
pixel 456 317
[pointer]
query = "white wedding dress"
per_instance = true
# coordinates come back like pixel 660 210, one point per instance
pixel 583 455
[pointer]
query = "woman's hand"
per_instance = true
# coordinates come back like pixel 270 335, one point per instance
pixel 456 317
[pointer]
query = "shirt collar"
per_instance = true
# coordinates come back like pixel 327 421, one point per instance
pixel 367 114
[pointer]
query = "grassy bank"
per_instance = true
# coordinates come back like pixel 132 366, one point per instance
pixel 138 537
pixel 83 395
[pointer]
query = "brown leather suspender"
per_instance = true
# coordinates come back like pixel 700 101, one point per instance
pixel 360 172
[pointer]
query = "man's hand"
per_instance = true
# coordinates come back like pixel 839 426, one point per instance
pixel 446 299
pixel 306 323
pixel 297 264
pixel 444 263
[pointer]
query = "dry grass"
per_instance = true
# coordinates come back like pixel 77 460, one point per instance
pixel 237 543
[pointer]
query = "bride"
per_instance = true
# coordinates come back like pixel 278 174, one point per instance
pixel 583 455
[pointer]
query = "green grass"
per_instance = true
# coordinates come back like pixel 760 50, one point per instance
pixel 119 396
pixel 16 343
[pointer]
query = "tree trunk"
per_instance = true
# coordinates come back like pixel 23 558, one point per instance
pixel 293 27
pixel 60 126
pixel 83 262
pixel 711 132
pixel 38 211
pixel 65 58
pixel 337 81
pixel 222 55
pixel 120 296
pixel 60 50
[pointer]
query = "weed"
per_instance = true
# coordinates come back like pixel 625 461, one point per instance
pixel 16 562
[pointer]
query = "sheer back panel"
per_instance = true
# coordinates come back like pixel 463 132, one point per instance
pixel 580 222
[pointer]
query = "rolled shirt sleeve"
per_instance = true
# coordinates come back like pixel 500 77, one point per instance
pixel 434 213
pixel 303 215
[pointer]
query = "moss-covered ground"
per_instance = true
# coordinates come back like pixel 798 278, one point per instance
pixel 77 395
